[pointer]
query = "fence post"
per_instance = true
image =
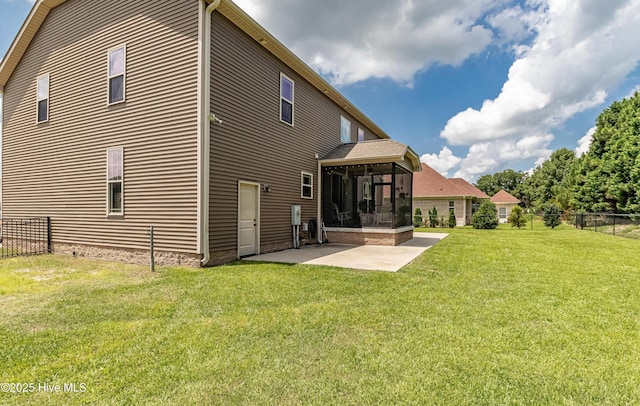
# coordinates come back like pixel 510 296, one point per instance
pixel 49 235
pixel 614 225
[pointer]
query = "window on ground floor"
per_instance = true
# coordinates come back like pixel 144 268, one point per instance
pixel 115 180
pixel 307 185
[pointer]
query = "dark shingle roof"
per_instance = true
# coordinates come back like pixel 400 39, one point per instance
pixel 383 150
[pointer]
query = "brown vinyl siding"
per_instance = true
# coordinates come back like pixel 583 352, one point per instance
pixel 58 168
pixel 253 144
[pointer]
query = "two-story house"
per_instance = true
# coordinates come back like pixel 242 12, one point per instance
pixel 188 116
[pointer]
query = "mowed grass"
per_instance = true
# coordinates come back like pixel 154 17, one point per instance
pixel 506 316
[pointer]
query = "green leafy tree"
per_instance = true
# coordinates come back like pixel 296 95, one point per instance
pixel 417 218
pixel 433 218
pixel 516 218
pixel 552 181
pixel 452 219
pixel 552 216
pixel 486 217
pixel 607 177
pixel 508 180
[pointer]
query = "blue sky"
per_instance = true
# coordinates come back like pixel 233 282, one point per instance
pixel 473 86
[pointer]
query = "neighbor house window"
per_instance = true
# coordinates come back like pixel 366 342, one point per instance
pixel 114 181
pixel 307 185
pixel 286 99
pixel 117 73
pixel 502 211
pixel 345 130
pixel 360 135
pixel 43 98
pixel 452 205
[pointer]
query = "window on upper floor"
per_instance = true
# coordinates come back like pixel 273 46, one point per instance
pixel 286 99
pixel 117 75
pixel 345 130
pixel 115 180
pixel 360 134
pixel 43 99
pixel 307 185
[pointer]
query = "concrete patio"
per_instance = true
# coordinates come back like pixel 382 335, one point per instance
pixel 365 257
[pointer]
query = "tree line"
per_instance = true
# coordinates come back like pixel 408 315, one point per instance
pixel 605 179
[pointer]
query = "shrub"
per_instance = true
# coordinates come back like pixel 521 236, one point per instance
pixel 417 218
pixel 552 215
pixel 452 219
pixel 516 218
pixel 486 218
pixel 433 218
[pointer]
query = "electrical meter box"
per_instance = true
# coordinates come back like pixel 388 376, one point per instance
pixel 296 215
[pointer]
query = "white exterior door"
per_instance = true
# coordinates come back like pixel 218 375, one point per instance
pixel 248 219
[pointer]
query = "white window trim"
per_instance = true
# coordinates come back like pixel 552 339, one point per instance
pixel 302 185
pixel 361 131
pixel 343 120
pixel 124 74
pixel 506 212
pixel 292 101
pixel 48 98
pixel 109 212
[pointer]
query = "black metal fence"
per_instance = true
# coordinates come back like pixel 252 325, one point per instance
pixel 25 236
pixel 625 225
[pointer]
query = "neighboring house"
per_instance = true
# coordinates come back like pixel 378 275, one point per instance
pixel 431 189
pixel 187 116
pixel 504 202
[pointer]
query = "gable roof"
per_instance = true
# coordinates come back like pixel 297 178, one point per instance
pixel 504 197
pixel 430 183
pixel 228 9
pixel 379 151
pixel 469 188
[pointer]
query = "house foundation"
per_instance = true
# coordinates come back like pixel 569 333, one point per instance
pixel 127 255
pixel 370 236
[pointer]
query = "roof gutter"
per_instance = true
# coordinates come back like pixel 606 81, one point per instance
pixel 204 127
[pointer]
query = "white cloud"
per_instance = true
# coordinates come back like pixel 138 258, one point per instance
pixel 569 56
pixel 582 50
pixel 442 162
pixel 361 39
pixel 585 142
pixel 492 156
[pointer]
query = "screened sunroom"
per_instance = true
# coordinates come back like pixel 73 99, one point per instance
pixel 368 186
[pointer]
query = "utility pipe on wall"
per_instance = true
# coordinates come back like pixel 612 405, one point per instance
pixel 204 127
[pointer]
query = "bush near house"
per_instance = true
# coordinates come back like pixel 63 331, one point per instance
pixel 452 219
pixel 486 218
pixel 417 218
pixel 516 218
pixel 433 218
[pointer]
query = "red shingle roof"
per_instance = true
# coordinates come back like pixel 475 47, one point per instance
pixel 430 183
pixel 504 197
pixel 469 188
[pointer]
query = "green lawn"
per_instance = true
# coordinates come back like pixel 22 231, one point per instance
pixel 490 317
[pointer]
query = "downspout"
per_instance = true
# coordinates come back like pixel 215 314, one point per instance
pixel 204 127
pixel 319 211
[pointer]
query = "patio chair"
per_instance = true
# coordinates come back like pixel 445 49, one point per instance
pixel 341 216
